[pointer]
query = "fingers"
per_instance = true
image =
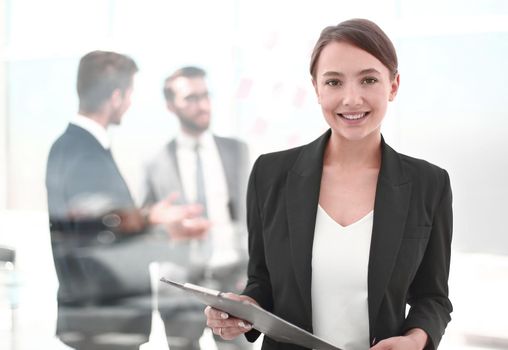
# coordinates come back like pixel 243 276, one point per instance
pixel 196 224
pixel 395 343
pixel 224 325
pixel 192 211
pixel 215 317
pixel 196 228
pixel 173 196
pixel 243 298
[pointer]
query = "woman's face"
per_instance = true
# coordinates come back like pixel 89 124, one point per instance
pixel 353 88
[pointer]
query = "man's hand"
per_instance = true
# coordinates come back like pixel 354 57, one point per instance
pixel 182 222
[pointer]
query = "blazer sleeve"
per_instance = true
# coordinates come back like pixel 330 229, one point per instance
pixel 428 294
pixel 258 284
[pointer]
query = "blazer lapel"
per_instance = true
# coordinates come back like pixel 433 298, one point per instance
pixel 302 196
pixel 230 164
pixel 173 159
pixel 390 212
pixel 227 156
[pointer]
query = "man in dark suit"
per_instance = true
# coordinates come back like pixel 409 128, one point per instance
pixel 200 167
pixel 96 229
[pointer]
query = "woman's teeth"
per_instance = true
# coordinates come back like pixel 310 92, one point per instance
pixel 353 116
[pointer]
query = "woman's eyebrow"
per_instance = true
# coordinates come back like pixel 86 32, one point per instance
pixel 362 72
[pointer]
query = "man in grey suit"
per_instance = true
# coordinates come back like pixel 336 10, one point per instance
pixel 198 167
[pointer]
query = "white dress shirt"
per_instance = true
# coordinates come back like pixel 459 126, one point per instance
pixel 216 191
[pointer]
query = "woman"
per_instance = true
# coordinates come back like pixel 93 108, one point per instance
pixel 345 232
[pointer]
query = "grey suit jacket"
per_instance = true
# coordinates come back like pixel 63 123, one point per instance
pixel 162 177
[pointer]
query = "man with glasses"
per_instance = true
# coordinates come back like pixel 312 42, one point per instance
pixel 199 167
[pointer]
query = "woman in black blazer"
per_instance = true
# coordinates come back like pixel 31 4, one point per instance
pixel 348 173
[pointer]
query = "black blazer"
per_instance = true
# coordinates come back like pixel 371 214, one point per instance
pixel 80 172
pixel 410 246
pixel 81 176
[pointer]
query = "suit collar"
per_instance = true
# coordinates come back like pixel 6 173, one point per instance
pixel 391 205
pixel 226 155
pixel 310 160
pixel 390 211
pixel 94 128
pixel 78 133
pixel 230 162
pixel 184 140
pixel 391 170
pixel 171 147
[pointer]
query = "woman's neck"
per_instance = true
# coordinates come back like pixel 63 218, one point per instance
pixel 353 154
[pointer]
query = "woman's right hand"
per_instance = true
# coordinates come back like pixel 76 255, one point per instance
pixel 225 325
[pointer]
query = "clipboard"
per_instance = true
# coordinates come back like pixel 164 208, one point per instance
pixel 262 320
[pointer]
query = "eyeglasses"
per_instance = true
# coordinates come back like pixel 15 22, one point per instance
pixel 195 98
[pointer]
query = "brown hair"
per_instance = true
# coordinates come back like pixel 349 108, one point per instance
pixel 363 34
pixel 187 72
pixel 99 74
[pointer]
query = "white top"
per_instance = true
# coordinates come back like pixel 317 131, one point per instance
pixel 340 259
pixel 94 128
pixel 216 191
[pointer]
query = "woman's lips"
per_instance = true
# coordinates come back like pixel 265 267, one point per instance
pixel 353 116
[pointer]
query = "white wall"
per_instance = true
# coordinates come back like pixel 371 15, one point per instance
pixel 3 112
pixel 451 108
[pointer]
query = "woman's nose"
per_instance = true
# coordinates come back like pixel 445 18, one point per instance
pixel 352 95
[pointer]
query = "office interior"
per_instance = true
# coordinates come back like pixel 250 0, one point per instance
pixel 450 110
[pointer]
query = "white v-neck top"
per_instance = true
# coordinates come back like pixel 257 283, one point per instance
pixel 340 259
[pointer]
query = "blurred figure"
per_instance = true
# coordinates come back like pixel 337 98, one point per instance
pixel 198 167
pixel 104 286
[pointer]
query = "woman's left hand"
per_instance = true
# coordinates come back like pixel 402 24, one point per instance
pixel 414 339
pixel 397 343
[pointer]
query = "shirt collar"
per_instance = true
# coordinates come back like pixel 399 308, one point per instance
pixel 94 128
pixel 189 142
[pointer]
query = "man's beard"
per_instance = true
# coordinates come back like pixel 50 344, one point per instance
pixel 191 126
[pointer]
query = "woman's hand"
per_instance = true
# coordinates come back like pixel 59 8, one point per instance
pixel 414 339
pixel 224 325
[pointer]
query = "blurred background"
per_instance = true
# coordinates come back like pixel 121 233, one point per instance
pixel 451 111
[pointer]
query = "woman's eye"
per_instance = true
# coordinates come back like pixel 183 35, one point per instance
pixel 333 82
pixel 369 81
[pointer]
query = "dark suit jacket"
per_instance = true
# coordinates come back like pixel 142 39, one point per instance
pixel 80 172
pixel 104 282
pixel 84 185
pixel 410 246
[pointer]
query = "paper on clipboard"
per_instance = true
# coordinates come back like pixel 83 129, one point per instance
pixel 262 320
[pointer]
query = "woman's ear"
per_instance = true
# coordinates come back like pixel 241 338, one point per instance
pixel 394 87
